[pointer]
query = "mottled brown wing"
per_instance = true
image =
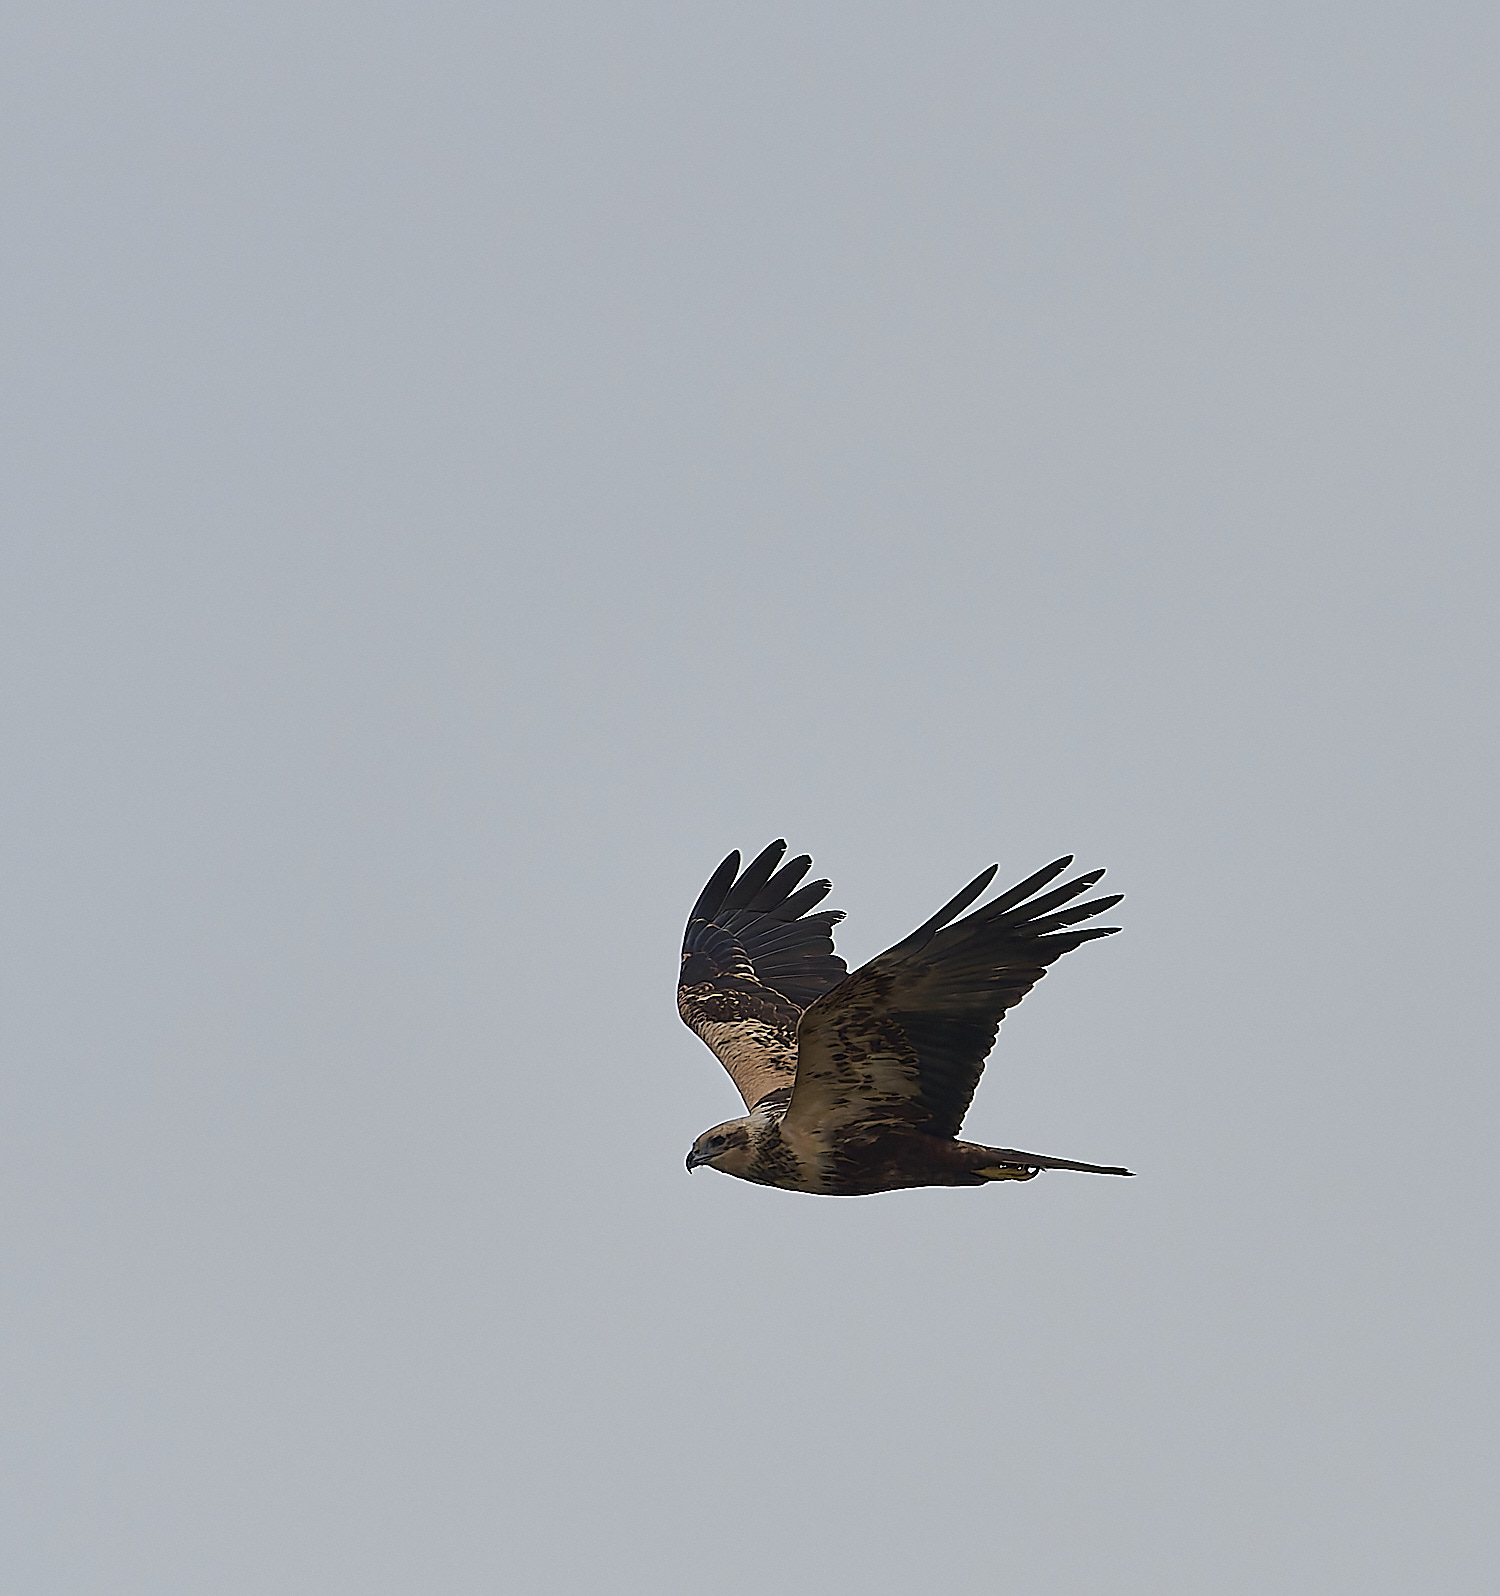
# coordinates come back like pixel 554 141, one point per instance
pixel 752 959
pixel 903 1041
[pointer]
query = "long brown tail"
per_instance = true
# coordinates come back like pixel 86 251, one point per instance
pixel 1006 1163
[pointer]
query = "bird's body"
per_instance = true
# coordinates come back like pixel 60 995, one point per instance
pixel 859 1083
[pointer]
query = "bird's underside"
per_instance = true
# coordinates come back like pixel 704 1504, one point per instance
pixel 859 1083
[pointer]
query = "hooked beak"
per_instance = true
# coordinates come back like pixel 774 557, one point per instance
pixel 693 1161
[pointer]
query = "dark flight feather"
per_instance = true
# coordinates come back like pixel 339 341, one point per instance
pixel 904 1039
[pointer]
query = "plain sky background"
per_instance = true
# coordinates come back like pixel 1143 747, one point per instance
pixel 469 466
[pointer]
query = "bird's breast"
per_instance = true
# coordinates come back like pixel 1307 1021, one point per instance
pixel 792 1162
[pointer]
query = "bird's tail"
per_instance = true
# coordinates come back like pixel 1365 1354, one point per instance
pixel 1006 1163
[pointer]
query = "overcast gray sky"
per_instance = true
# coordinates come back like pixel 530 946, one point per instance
pixel 469 466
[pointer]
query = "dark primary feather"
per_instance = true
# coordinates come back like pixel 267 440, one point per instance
pixel 760 925
pixel 903 1040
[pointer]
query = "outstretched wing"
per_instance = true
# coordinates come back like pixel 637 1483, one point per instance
pixel 903 1041
pixel 752 959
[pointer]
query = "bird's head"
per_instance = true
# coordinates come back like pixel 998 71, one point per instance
pixel 725 1147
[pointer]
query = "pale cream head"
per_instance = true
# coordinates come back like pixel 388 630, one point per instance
pixel 726 1147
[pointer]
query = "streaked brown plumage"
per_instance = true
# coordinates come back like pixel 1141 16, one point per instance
pixel 859 1083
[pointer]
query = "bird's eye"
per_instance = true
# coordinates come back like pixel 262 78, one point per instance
pixel 715 1141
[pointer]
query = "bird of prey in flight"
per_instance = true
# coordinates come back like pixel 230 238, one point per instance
pixel 859 1083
